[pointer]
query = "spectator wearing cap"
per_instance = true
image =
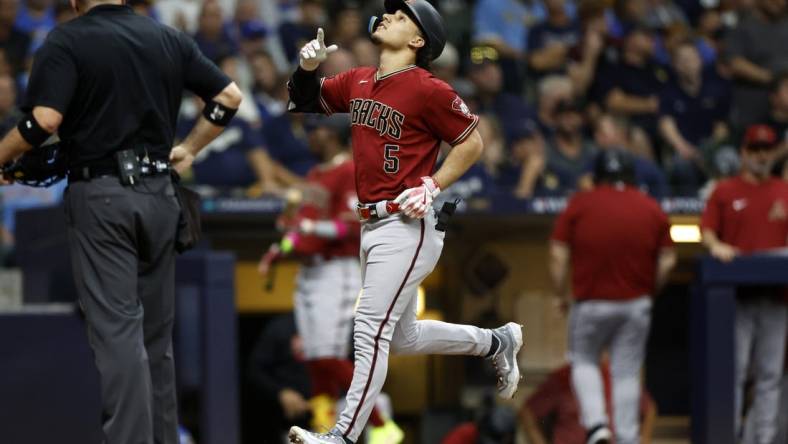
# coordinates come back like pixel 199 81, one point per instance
pixel 213 37
pixel 614 133
pixel 503 25
pixel 13 41
pixel 251 39
pixel 630 84
pixel 550 42
pixel 526 161
pixel 487 77
pixel 554 398
pixel 568 151
pixel 755 53
pixel 778 114
pixel 744 215
pixel 694 106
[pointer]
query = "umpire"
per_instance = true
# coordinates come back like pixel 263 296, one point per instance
pixel 110 83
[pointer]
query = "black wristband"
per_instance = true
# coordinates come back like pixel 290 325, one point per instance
pixel 31 131
pixel 218 114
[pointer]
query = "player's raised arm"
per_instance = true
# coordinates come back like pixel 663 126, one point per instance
pixel 304 85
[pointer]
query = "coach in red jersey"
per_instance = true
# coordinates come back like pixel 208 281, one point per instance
pixel 743 215
pixel 617 239
pixel 400 114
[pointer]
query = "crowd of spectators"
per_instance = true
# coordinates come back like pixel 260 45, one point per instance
pixel 673 82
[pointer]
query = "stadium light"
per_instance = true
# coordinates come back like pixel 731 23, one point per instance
pixel 685 233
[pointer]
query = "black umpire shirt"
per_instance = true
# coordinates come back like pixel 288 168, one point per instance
pixel 118 79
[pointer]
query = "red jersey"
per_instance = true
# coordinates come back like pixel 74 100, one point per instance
pixel 397 123
pixel 749 216
pixel 339 183
pixel 614 235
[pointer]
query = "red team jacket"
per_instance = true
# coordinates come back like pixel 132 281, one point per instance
pixel 397 124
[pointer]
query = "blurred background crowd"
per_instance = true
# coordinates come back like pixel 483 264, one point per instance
pixel 674 82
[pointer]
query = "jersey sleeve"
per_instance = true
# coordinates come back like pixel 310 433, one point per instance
pixel 447 115
pixel 562 231
pixel 200 75
pixel 710 220
pixel 53 78
pixel 335 92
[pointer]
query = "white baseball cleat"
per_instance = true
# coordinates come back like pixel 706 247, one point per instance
pixel 298 435
pixel 510 337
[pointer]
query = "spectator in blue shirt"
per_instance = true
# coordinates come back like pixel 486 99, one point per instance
pixel 36 18
pixel 629 83
pixel 503 25
pixel 550 42
pixel 288 143
pixel 693 108
pixel 213 37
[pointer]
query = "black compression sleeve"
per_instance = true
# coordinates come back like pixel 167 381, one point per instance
pixel 304 89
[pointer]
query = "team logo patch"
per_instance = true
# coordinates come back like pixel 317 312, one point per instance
pixel 460 106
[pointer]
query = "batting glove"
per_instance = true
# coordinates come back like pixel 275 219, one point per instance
pixel 415 202
pixel 315 52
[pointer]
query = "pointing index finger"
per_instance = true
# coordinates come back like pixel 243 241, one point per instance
pixel 320 37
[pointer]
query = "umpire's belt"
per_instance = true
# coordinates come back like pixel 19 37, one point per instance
pixel 378 210
pixel 103 168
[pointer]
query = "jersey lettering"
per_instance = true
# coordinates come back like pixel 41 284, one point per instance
pixel 378 116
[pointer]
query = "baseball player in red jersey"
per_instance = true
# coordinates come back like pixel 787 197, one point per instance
pixel 744 215
pixel 324 233
pixel 617 243
pixel 399 115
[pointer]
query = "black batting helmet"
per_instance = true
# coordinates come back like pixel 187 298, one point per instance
pixel 427 19
pixel 614 165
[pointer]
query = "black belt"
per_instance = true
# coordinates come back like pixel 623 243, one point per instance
pixel 89 172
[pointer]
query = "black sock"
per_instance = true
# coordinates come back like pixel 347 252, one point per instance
pixel 494 344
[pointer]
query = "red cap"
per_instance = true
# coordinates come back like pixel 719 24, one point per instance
pixel 759 136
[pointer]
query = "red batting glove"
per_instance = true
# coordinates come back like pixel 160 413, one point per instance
pixel 415 202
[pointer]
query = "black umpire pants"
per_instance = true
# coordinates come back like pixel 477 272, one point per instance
pixel 121 241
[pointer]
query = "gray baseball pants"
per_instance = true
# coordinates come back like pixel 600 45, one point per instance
pixel 397 253
pixel 760 347
pixel 621 328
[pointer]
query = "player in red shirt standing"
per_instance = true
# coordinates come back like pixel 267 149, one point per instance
pixel 323 233
pixel 618 241
pixel 399 115
pixel 746 214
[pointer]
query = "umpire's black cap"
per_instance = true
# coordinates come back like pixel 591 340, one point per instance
pixel 614 165
pixel 427 19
